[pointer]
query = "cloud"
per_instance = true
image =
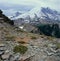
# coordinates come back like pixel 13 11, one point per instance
pixel 31 2
pixel 9 12
pixel 50 3
pixel 41 3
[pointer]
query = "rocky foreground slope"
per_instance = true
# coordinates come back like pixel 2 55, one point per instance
pixel 40 47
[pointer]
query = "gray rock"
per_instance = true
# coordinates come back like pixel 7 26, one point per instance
pixel 1 52
pixel 16 57
pixel 2 48
pixel 7 51
pixel 2 45
pixel 48 51
pixel 53 50
pixel 5 56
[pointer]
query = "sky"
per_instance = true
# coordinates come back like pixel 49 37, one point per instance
pixel 16 5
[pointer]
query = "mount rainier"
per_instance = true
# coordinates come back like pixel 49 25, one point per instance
pixel 44 13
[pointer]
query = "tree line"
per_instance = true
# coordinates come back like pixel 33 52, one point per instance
pixel 49 29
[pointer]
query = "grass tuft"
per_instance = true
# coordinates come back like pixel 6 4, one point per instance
pixel 20 49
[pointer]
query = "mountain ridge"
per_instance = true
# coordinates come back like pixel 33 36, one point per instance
pixel 41 13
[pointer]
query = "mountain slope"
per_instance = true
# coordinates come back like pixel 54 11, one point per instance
pixel 40 47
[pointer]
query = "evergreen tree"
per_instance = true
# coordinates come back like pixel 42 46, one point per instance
pixel 1 12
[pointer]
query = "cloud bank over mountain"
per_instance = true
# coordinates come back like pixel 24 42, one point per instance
pixel 25 5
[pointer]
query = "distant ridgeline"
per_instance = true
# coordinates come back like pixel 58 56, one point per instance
pixel 49 29
pixel 5 18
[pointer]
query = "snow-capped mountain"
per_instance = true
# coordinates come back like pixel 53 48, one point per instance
pixel 39 14
pixel 30 14
pixel 50 14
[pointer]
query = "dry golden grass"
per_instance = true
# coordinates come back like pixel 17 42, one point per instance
pixel 25 39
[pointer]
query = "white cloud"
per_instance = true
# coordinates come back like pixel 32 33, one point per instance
pixel 24 2
pixel 47 3
pixel 9 12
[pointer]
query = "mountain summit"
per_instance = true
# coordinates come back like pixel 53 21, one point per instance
pixel 42 13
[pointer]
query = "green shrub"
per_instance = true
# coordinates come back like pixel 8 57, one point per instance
pixel 58 45
pixel 20 49
pixel 33 37
pixel 49 30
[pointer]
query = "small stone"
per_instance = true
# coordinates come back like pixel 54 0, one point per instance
pixel 49 52
pixel 2 49
pixel 7 51
pixel 17 56
pixel 5 56
pixel 2 45
pixel 53 50
pixel 1 52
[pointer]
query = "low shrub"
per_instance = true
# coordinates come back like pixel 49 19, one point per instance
pixel 58 45
pixel 33 37
pixel 20 49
